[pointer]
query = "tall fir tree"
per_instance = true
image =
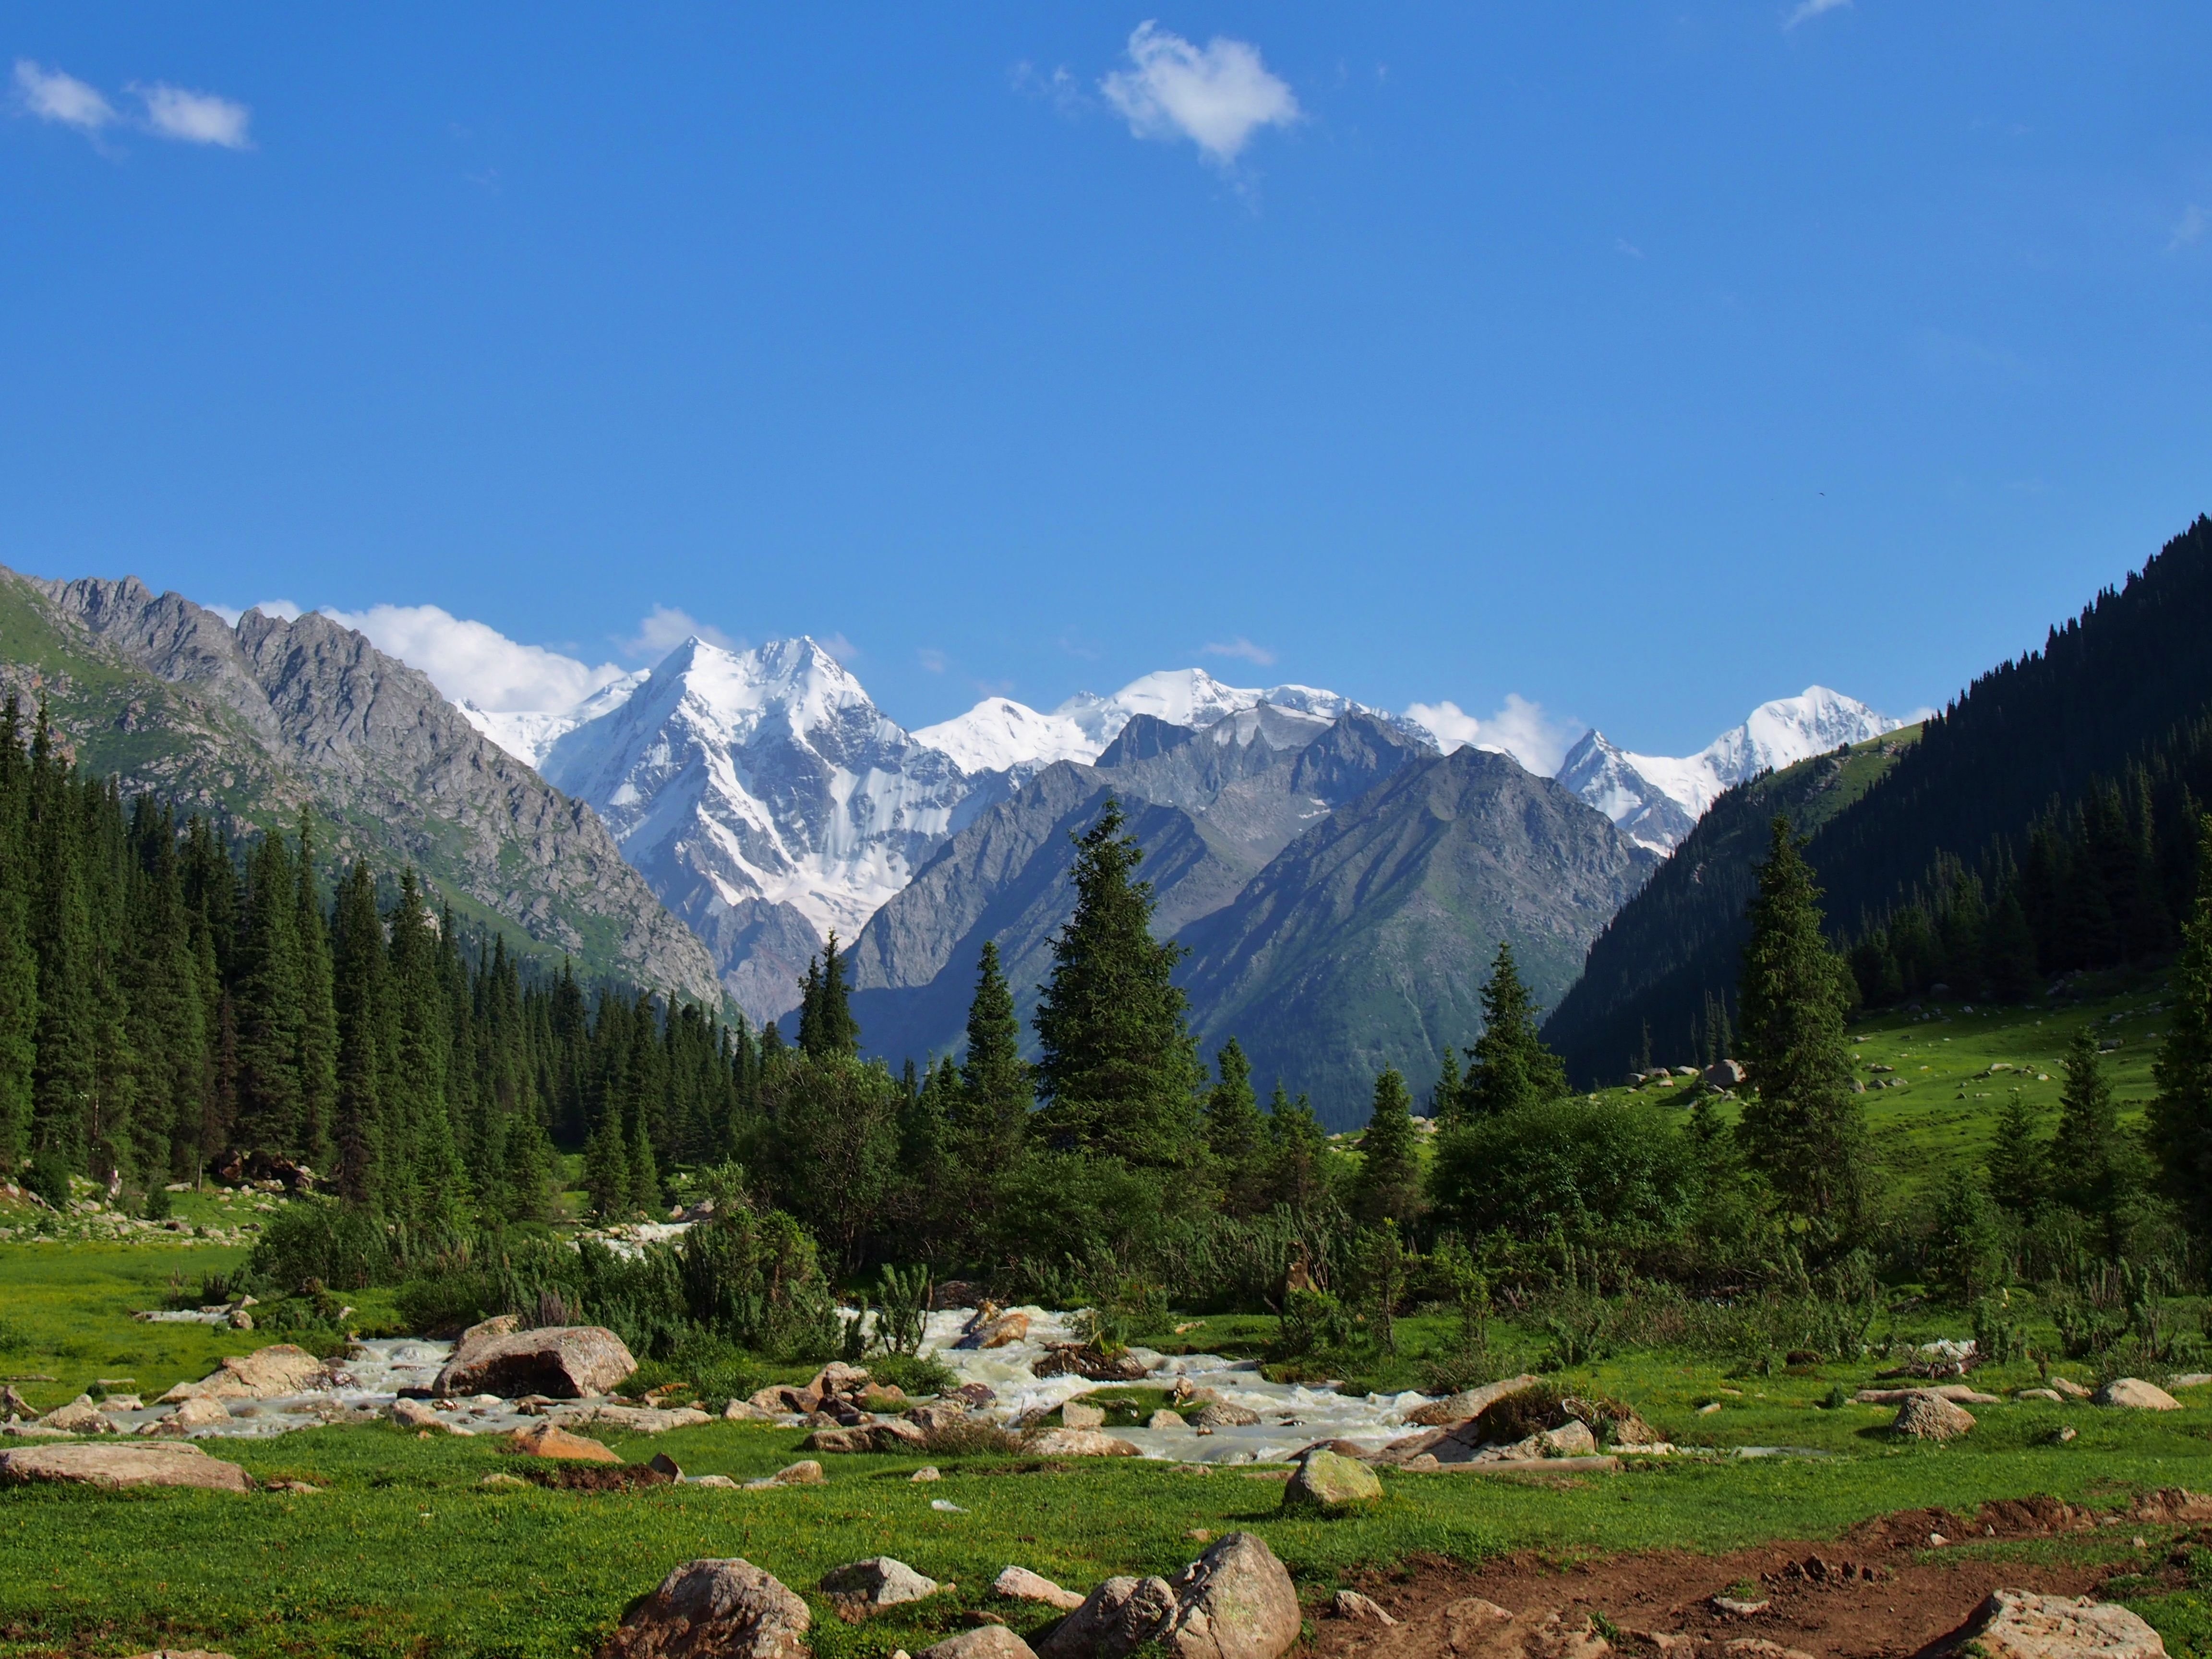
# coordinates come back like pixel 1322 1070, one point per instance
pixel 358 1009
pixel 2019 1163
pixel 1448 1100
pixel 1235 1134
pixel 1509 1065
pixel 991 1106
pixel 2180 1117
pixel 268 1003
pixel 1388 1186
pixel 826 1026
pixel 318 1054
pixel 1804 1129
pixel 1119 1070
pixel 2096 1166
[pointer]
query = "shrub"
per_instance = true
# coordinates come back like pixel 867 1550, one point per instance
pixel 157 1201
pixel 1578 1167
pixel 49 1178
pixel 917 1373
pixel 321 1239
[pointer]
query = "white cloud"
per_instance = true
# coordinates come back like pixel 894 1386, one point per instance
pixel 473 662
pixel 1241 646
pixel 53 96
pixel 1216 95
pixel 664 628
pixel 195 118
pixel 231 613
pixel 2189 229
pixel 930 659
pixel 1522 729
pixel 839 647
pixel 1806 10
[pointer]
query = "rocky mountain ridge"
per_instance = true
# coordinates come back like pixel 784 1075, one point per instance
pixel 255 720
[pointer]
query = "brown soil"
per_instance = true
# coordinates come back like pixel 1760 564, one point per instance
pixel 1881 1591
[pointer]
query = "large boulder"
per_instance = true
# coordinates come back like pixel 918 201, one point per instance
pixel 876 1582
pixel 1331 1482
pixel 1081 1442
pixel 265 1374
pixel 1468 1403
pixel 999 1332
pixel 1220 1414
pixel 634 1419
pixel 1077 1415
pixel 725 1609
pixel 550 1440
pixel 895 1436
pixel 1235 1601
pixel 2015 1624
pixel 2134 1392
pixel 152 1463
pixel 1020 1585
pixel 1926 1416
pixel 197 1412
pixel 984 1641
pixel 1115 1619
pixel 80 1416
pixel 563 1362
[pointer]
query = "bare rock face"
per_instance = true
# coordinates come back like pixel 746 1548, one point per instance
pixel 714 1609
pixel 1931 1416
pixel 2020 1624
pixel 1235 1601
pixel 2135 1393
pixel 154 1463
pixel 274 714
pixel 563 1362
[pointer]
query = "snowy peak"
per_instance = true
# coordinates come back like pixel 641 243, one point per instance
pixel 1655 799
pixel 1000 735
pixel 529 735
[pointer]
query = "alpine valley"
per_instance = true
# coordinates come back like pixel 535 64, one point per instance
pixel 1338 876
pixel 1340 880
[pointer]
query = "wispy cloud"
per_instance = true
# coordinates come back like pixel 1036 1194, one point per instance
pixel 173 112
pixel 1523 729
pixel 1241 648
pixel 474 662
pixel 839 647
pixel 195 118
pixel 52 95
pixel 664 628
pixel 1216 95
pixel 1056 86
pixel 2189 229
pixel 1806 10
pixel 930 659
pixel 1622 246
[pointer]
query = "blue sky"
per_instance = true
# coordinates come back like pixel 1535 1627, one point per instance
pixel 1642 362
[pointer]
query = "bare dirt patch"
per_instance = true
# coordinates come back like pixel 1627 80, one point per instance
pixel 1883 1591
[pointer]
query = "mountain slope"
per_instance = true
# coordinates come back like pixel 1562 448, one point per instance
pixel 2106 690
pixel 257 720
pixel 1365 941
pixel 1680 939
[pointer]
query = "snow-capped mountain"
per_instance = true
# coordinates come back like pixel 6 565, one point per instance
pixel 767 800
pixel 1656 799
pixel 530 735
pixel 1001 735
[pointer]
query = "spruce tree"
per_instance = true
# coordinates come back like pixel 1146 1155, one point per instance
pixel 2019 1165
pixel 2180 1118
pixel 2095 1168
pixel 2008 950
pixel 358 1003
pixel 268 1004
pixel 1804 1129
pixel 1448 1100
pixel 1119 1070
pixel 1299 1173
pixel 1509 1066
pixel 318 1056
pixel 1234 1127
pixel 826 1026
pixel 1388 1186
pixel 991 1108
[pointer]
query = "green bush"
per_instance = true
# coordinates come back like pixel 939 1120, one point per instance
pixel 49 1177
pixel 1575 1168
pixel 321 1239
pixel 157 1201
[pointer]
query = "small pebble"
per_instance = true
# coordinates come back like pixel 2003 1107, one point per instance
pixel 927 1471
